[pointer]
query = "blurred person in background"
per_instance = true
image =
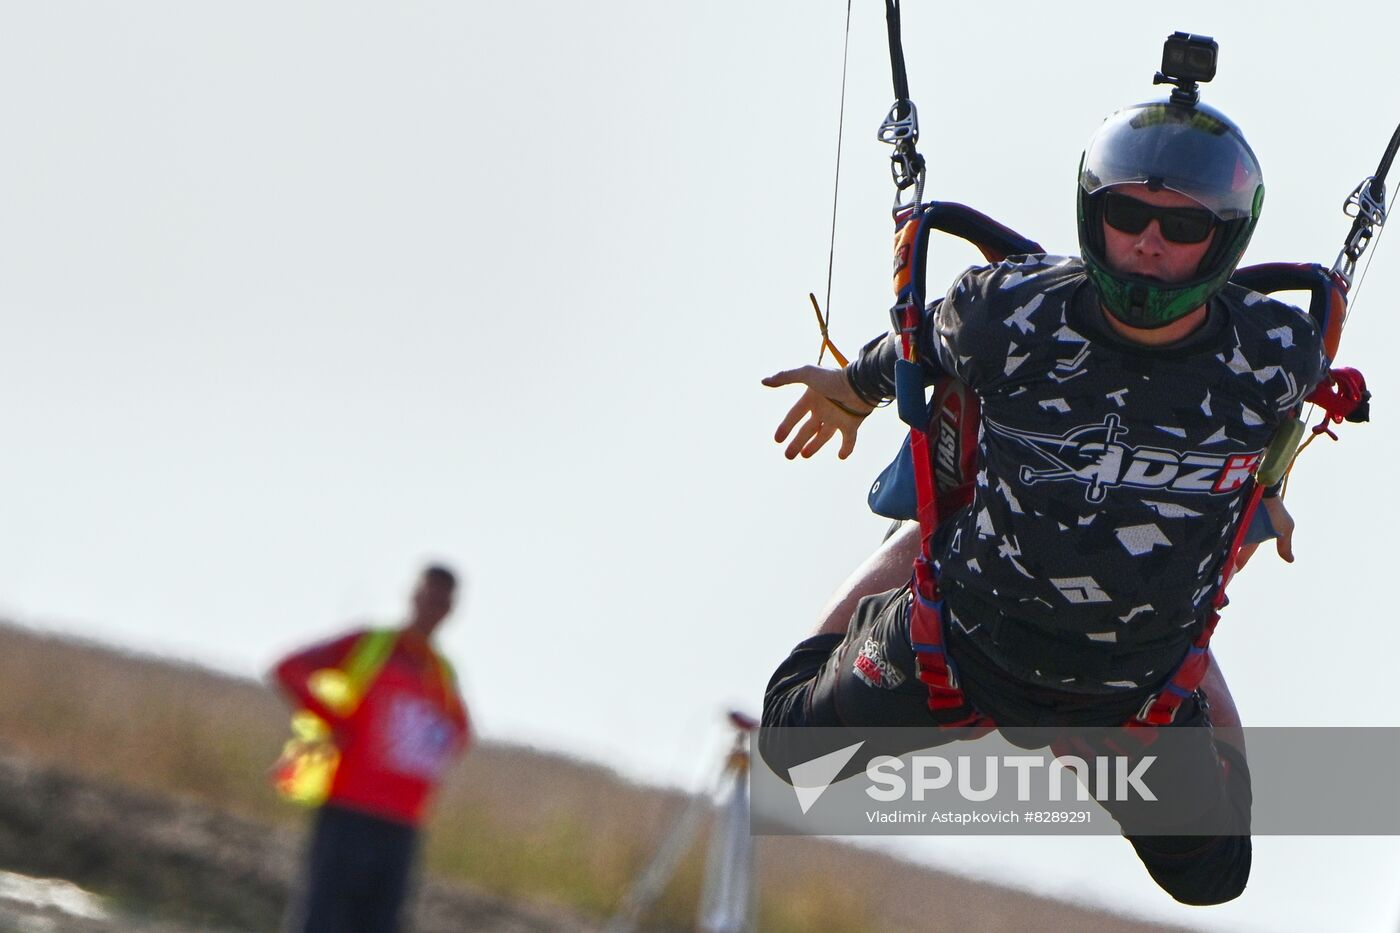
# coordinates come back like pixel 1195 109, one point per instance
pixel 390 706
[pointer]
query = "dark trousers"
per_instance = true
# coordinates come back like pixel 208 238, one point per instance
pixel 358 873
pixel 817 685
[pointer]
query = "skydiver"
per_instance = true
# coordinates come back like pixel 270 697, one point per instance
pixel 1070 600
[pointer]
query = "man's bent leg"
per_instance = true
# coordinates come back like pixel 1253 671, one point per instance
pixel 1198 848
pixel 1204 870
pixel 792 698
pixel 1222 705
pixel 864 678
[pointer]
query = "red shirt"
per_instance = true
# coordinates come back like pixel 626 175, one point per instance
pixel 396 744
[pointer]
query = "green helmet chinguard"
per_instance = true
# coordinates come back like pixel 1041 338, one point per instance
pixel 1146 304
pixel 1195 151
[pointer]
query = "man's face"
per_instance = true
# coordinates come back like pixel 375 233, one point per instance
pixel 1148 253
pixel 432 601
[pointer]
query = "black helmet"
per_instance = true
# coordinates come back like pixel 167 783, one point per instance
pixel 1194 150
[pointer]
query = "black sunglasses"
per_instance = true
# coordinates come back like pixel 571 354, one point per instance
pixel 1178 224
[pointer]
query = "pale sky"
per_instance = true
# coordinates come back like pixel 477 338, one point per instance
pixel 299 295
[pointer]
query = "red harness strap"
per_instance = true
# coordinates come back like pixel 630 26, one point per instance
pixel 1161 708
pixel 945 697
pixel 1340 394
pixel 935 669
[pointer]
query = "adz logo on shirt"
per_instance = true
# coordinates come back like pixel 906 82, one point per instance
pixel 1094 455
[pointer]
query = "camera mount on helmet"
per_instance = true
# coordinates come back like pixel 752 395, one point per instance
pixel 1186 61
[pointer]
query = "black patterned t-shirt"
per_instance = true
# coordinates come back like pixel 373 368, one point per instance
pixel 1111 476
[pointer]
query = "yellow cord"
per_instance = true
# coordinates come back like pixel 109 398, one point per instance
pixel 826 337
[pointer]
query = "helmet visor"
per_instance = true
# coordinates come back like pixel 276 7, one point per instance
pixel 1191 150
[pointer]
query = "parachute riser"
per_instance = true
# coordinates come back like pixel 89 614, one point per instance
pixel 1366 205
pixel 900 129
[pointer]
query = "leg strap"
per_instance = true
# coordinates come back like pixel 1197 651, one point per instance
pixel 936 670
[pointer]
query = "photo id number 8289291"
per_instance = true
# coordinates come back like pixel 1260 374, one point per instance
pixel 1057 816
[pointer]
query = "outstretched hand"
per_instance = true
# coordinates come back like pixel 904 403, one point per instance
pixel 829 405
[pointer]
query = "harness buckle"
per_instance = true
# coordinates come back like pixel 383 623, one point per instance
pixel 1369 213
pixel 900 129
pixel 1149 714
pixel 901 124
pixel 937 675
pixel 899 318
pixel 1360 203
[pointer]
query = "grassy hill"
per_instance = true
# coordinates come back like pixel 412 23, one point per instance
pixel 515 823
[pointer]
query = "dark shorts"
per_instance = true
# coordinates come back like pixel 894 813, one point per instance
pixel 867 678
pixel 358 873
